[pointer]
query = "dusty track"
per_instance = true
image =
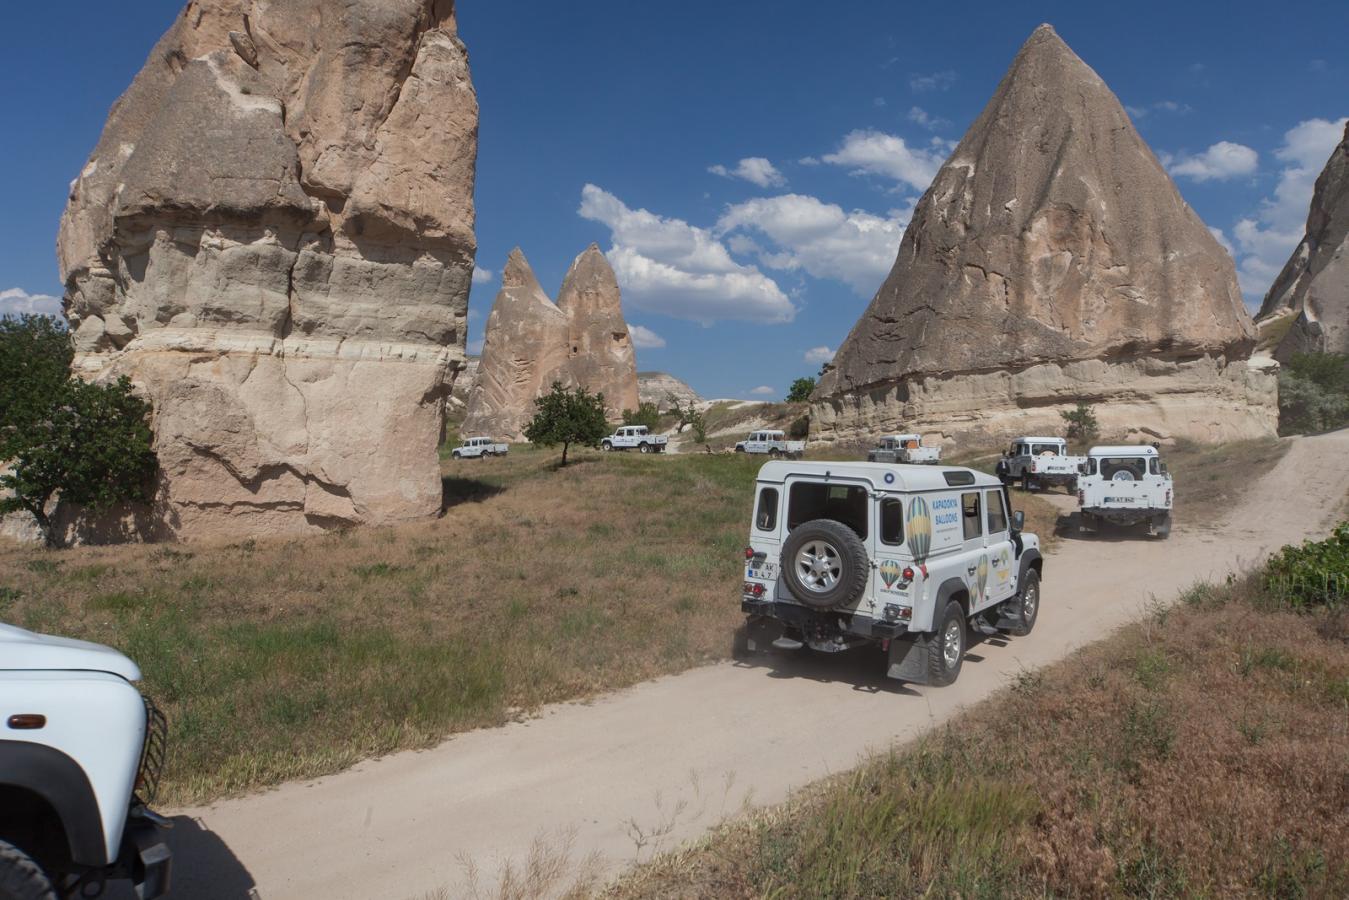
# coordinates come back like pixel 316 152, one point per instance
pixel 673 756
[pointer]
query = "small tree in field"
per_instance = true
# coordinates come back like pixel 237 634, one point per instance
pixel 645 414
pixel 800 390
pixel 567 417
pixel 683 412
pixel 1082 425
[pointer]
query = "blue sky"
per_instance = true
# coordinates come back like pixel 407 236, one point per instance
pixel 749 167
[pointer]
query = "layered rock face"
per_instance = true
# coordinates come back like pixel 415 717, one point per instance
pixel 659 387
pixel 1052 260
pixel 1314 284
pixel 530 342
pixel 274 240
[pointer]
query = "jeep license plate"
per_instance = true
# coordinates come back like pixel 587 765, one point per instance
pixel 766 572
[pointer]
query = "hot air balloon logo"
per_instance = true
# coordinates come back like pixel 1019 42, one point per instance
pixel 920 529
pixel 982 575
pixel 890 572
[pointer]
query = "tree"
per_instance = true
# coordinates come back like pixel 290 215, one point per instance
pixel 699 424
pixel 801 390
pixel 567 417
pixel 647 414
pixel 35 355
pixel 1082 424
pixel 90 446
pixel 1314 393
pixel 683 413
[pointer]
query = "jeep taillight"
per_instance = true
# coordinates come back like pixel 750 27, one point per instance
pixel 749 553
pixel 752 589
pixel 1082 498
pixel 1168 496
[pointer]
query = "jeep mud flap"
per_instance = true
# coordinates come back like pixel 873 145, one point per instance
pixel 762 632
pixel 908 659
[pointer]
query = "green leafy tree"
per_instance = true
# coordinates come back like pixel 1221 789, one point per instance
pixel 699 425
pixel 1314 393
pixel 91 445
pixel 567 417
pixel 647 414
pixel 1082 424
pixel 801 390
pixel 35 355
pixel 683 412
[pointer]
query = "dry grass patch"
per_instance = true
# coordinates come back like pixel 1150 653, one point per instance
pixel 1212 479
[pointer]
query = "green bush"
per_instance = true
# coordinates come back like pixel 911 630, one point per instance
pixel 1314 393
pixel 1082 424
pixel 1313 574
pixel 801 390
pixel 647 414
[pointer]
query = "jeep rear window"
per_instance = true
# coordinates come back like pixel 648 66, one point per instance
pixel 843 503
pixel 1037 449
pixel 892 521
pixel 1134 465
pixel 766 519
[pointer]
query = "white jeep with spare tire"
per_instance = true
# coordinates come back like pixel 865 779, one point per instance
pixel 1125 485
pixel 80 757
pixel 911 558
pixel 635 437
pixel 1042 462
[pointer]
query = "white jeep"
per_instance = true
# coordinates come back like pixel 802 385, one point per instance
pixel 1040 462
pixel 1125 485
pixel 479 448
pixel 910 558
pixel 904 448
pixel 638 436
pixel 772 442
pixel 80 758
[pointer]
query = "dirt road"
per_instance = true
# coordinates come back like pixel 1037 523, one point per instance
pixel 649 767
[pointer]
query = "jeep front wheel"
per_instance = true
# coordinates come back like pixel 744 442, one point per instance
pixel 643 447
pixel 606 446
pixel 946 648
pixel 1027 605
pixel 21 878
pixel 824 564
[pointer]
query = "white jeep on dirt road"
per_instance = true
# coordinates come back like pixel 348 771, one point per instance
pixel 479 448
pixel 80 757
pixel 904 448
pixel 635 436
pixel 1125 485
pixel 1041 462
pixel 912 559
pixel 772 442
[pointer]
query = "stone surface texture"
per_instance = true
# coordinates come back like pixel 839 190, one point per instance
pixel 1313 287
pixel 274 239
pixel 530 342
pixel 1051 260
pixel 658 387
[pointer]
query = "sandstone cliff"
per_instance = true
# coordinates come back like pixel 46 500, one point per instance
pixel 658 387
pixel 1314 284
pixel 274 240
pixel 1051 260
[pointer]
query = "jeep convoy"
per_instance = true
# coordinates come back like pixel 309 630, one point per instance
pixel 904 448
pixel 1125 485
pixel 635 436
pixel 1041 462
pixel 909 558
pixel 771 442
pixel 479 448
pixel 80 758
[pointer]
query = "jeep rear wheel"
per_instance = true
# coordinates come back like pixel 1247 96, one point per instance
pixel 643 447
pixel 21 878
pixel 824 564
pixel 946 648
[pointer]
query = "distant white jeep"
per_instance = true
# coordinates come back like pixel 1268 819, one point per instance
pixel 904 448
pixel 911 558
pixel 479 448
pixel 1039 462
pixel 772 442
pixel 1125 485
pixel 635 436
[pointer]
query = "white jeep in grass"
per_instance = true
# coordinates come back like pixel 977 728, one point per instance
pixel 1041 462
pixel 1125 485
pixel 80 756
pixel 479 448
pixel 772 442
pixel 910 558
pixel 904 448
pixel 637 437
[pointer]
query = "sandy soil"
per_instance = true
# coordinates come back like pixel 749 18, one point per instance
pixel 643 769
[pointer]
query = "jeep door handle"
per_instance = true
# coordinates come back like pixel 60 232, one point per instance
pixel 972 569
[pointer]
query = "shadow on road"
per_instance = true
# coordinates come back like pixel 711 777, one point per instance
pixel 204 868
pixel 1070 528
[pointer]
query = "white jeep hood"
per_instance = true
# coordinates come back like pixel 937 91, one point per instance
pixel 21 649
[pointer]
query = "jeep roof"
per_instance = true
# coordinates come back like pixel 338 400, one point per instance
pixel 1124 450
pixel 903 477
pixel 901 437
pixel 1032 439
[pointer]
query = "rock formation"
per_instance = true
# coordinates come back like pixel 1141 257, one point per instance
pixel 659 387
pixel 1051 260
pixel 530 342
pixel 463 385
pixel 274 240
pixel 1313 287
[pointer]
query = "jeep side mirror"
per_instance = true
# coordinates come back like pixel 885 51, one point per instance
pixel 1018 520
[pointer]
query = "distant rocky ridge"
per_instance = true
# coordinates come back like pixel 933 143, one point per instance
pixel 659 387
pixel 530 342
pixel 274 240
pixel 1314 284
pixel 1052 260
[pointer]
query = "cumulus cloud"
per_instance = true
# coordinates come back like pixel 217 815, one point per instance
pixel 819 355
pixel 644 338
pixel 1220 162
pixel 483 276
pixel 867 152
pixel 1266 238
pixel 937 81
pixel 1166 106
pixel 18 302
pixel 808 161
pixel 755 170
pixel 920 116
pixel 668 266
pixel 1223 241
pixel 762 390
pixel 857 248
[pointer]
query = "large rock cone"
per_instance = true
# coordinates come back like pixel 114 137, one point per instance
pixel 1313 288
pixel 599 349
pixel 1051 260
pixel 274 240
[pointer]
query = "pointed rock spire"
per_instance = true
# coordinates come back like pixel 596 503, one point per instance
pixel 599 346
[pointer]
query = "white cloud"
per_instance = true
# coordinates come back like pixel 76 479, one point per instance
pixel 878 102
pixel 857 248
pixel 1167 106
pixel 920 116
pixel 808 161
pixel 668 266
pixel 1220 162
pixel 887 155
pixel 762 390
pixel 483 276
pixel 644 338
pixel 937 81
pixel 819 355
pixel 1223 241
pixel 17 302
pixel 755 170
pixel 1266 238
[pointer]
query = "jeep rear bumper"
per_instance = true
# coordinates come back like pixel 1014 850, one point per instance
pixel 811 622
pixel 1125 515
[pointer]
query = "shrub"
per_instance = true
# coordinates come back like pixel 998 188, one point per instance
pixel 1313 574
pixel 1082 424
pixel 1314 393
pixel 645 414
pixel 699 423
pixel 567 417
pixel 800 390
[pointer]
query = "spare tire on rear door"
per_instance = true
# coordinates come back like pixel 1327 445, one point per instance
pixel 824 564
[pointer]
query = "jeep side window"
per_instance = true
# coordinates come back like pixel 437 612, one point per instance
pixel 970 505
pixel 997 515
pixel 892 521
pixel 767 517
pixel 1154 466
